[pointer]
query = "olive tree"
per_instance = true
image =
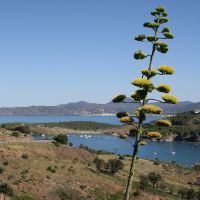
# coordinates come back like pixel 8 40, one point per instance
pixel 154 178
pixel 157 41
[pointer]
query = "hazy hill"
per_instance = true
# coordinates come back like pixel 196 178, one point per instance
pixel 85 108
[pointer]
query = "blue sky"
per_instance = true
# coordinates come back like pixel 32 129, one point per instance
pixel 59 51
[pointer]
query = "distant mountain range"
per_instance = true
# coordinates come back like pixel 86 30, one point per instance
pixel 85 108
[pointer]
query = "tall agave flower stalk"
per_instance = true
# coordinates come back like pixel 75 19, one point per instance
pixel 145 86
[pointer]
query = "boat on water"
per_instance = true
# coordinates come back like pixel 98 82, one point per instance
pixel 155 153
pixel 173 152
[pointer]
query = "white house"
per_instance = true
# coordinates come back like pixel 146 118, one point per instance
pixel 197 111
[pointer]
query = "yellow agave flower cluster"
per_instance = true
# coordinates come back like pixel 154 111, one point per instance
pixel 123 136
pixel 119 98
pixel 163 88
pixel 126 120
pixel 151 109
pixel 138 95
pixel 122 114
pixel 140 114
pixel 149 73
pixel 170 99
pixel 166 70
pixel 141 82
pixel 133 131
pixel 124 117
pixel 142 143
pixel 164 122
pixel 154 135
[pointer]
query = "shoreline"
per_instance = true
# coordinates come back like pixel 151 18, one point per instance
pixel 92 133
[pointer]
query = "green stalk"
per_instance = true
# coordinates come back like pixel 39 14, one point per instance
pixel 133 163
pixel 139 129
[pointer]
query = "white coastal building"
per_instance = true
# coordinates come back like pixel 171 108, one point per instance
pixel 197 111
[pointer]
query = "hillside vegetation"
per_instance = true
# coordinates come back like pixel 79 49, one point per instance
pixel 49 172
pixel 186 127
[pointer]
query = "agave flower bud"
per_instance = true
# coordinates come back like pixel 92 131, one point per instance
pixel 154 135
pixel 151 25
pixel 151 38
pixel 164 122
pixel 151 109
pixel 164 14
pixel 146 24
pixel 140 82
pixel 166 70
pixel 163 88
pixel 161 44
pixel 122 114
pixel 142 143
pixel 160 9
pixel 123 136
pixel 133 132
pixel 166 30
pixel 148 73
pixel 119 98
pixel 126 120
pixel 140 114
pixel 139 55
pixel 168 35
pixel 170 99
pixel 139 95
pixel 140 37
pixel 154 13
pixel 163 20
pixel 156 20
pixel 162 49
pixel 154 25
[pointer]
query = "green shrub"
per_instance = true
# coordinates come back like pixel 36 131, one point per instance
pixel 52 169
pixel 71 144
pixel 154 178
pixel 25 156
pixel 1 170
pixel 21 128
pixel 100 164
pixel 156 161
pixel 198 195
pixel 3 125
pixel 115 165
pixel 6 189
pixel 182 193
pixel 121 157
pixel 5 163
pixel 25 171
pixel 57 144
pixel 190 194
pixel 49 168
pixel 144 182
pixel 15 134
pixel 62 139
pixel 137 193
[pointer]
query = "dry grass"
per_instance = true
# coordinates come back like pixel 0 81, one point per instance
pixel 73 168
